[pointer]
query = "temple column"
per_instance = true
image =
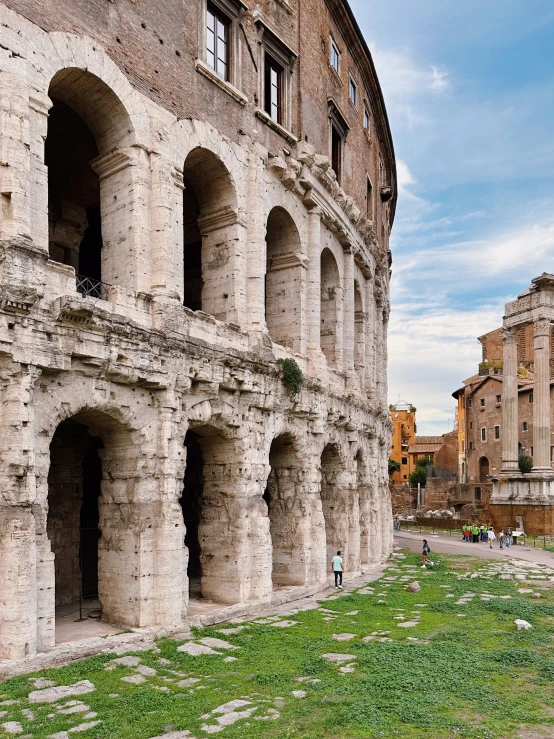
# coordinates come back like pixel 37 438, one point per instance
pixel 509 403
pixel 541 407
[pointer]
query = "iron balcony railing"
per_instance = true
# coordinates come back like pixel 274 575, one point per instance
pixel 90 288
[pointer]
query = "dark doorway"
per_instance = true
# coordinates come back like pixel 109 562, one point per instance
pixel 192 256
pixel 483 469
pixel 74 489
pixel 74 222
pixel 191 503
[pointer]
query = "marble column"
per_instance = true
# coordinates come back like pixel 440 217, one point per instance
pixel 510 403
pixel 541 407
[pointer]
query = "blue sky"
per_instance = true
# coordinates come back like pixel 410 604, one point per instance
pixel 469 88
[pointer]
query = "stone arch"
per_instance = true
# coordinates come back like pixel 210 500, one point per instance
pixel 210 221
pixel 93 192
pixel 483 469
pixel 330 298
pixel 284 280
pixel 295 516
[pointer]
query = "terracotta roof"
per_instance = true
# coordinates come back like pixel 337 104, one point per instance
pixel 424 448
pixel 428 439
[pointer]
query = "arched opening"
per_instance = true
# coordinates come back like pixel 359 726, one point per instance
pixel 191 503
pixel 331 501
pixel 74 488
pixel 483 469
pixel 207 488
pixel 283 280
pixel 74 219
pixel 330 287
pixel 209 230
pixel 281 497
pixel 359 332
pixel 86 122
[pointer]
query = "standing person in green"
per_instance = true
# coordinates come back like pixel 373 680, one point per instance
pixel 338 570
pixel 475 532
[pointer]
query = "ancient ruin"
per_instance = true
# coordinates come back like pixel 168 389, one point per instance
pixel 188 195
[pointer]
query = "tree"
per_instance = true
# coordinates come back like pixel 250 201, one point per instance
pixel 419 475
pixel 394 466
pixel 525 463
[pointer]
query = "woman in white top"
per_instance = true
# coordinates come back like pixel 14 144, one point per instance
pixel 491 537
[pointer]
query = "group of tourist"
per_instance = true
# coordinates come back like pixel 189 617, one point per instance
pixel 485 533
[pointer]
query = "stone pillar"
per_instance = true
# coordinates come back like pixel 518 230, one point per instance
pixel 510 404
pixel 167 229
pixel 313 306
pixel 348 310
pixel 256 262
pixel 370 338
pixel 541 407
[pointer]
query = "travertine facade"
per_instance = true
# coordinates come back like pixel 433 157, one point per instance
pixel 146 437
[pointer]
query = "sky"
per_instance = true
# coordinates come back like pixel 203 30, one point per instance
pixel 469 90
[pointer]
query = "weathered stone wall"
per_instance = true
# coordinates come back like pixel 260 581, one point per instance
pixel 285 480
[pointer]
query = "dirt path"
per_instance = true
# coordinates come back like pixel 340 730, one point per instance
pixel 450 545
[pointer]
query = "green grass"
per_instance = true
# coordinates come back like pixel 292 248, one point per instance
pixel 476 677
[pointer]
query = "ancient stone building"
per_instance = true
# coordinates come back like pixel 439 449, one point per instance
pixel 189 192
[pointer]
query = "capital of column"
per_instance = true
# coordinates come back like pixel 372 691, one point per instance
pixel 509 335
pixel 542 327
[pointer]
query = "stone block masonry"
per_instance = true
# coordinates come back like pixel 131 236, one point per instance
pixel 153 269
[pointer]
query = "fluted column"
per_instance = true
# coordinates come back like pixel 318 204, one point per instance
pixel 541 407
pixel 510 403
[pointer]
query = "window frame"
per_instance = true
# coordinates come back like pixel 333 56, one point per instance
pixel 334 50
pixel 339 127
pixel 483 433
pixel 353 86
pixel 525 426
pixel 272 66
pixel 222 19
pixel 367 115
pixel 233 11
pixel 497 432
pixel 273 50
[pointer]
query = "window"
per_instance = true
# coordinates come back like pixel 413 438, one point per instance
pixel 217 42
pixel 469 402
pixel 525 426
pixel 530 397
pixel 273 89
pixel 353 92
pixel 531 451
pixel 497 432
pixel 482 401
pixel 339 132
pixel 335 56
pixel 483 434
pixel 336 152
pixel 470 445
pixel 499 398
pixel 369 199
pixel 367 118
pixel 404 460
pixel 477 493
pixel 471 424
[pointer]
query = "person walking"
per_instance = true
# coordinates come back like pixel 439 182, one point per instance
pixel 491 537
pixel 396 523
pixel 501 539
pixel 425 553
pixel 508 537
pixel 338 570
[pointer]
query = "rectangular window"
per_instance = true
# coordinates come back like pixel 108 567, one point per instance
pixel 482 402
pixel 525 426
pixel 335 56
pixel 217 42
pixel 336 152
pixel 404 460
pixel 469 402
pixel 273 89
pixel 353 92
pixel 477 493
pixel 367 118
pixel 499 398
pixel 369 199
pixel 471 424
pixel 483 434
pixel 470 445
pixel 497 432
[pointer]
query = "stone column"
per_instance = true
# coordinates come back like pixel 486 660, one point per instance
pixel 313 306
pixel 348 310
pixel 370 338
pixel 510 403
pixel 541 408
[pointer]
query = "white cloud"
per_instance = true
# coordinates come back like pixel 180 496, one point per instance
pixel 440 79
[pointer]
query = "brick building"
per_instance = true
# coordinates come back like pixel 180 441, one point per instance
pixel 189 192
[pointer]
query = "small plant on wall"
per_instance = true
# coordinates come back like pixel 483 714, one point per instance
pixel 291 376
pixel 525 464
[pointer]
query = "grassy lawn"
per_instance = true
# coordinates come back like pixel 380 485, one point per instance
pixel 463 669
